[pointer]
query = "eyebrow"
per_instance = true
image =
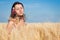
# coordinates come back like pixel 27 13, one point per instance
pixel 20 7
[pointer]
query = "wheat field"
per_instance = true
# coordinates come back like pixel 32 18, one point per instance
pixel 32 31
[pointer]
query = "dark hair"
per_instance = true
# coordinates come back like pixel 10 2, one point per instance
pixel 13 14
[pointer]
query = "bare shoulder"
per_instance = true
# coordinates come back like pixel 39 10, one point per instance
pixel 9 25
pixel 10 22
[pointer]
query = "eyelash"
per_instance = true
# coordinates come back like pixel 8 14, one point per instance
pixel 20 8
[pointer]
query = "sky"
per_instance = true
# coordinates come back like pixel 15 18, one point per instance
pixel 35 10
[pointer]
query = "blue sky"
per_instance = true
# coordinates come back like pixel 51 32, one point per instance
pixel 35 10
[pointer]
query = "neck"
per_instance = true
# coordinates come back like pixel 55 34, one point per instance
pixel 20 19
pixel 21 22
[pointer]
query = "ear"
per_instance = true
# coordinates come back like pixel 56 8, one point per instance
pixel 13 11
pixel 13 7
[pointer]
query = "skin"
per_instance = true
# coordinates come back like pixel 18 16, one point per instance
pixel 19 11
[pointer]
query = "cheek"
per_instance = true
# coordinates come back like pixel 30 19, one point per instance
pixel 17 11
pixel 23 11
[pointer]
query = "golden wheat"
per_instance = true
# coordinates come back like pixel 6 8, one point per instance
pixel 32 31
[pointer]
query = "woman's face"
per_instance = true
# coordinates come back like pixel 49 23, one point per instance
pixel 19 9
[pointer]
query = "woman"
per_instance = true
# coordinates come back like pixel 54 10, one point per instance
pixel 17 17
pixel 16 28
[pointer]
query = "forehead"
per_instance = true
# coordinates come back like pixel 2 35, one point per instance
pixel 18 5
